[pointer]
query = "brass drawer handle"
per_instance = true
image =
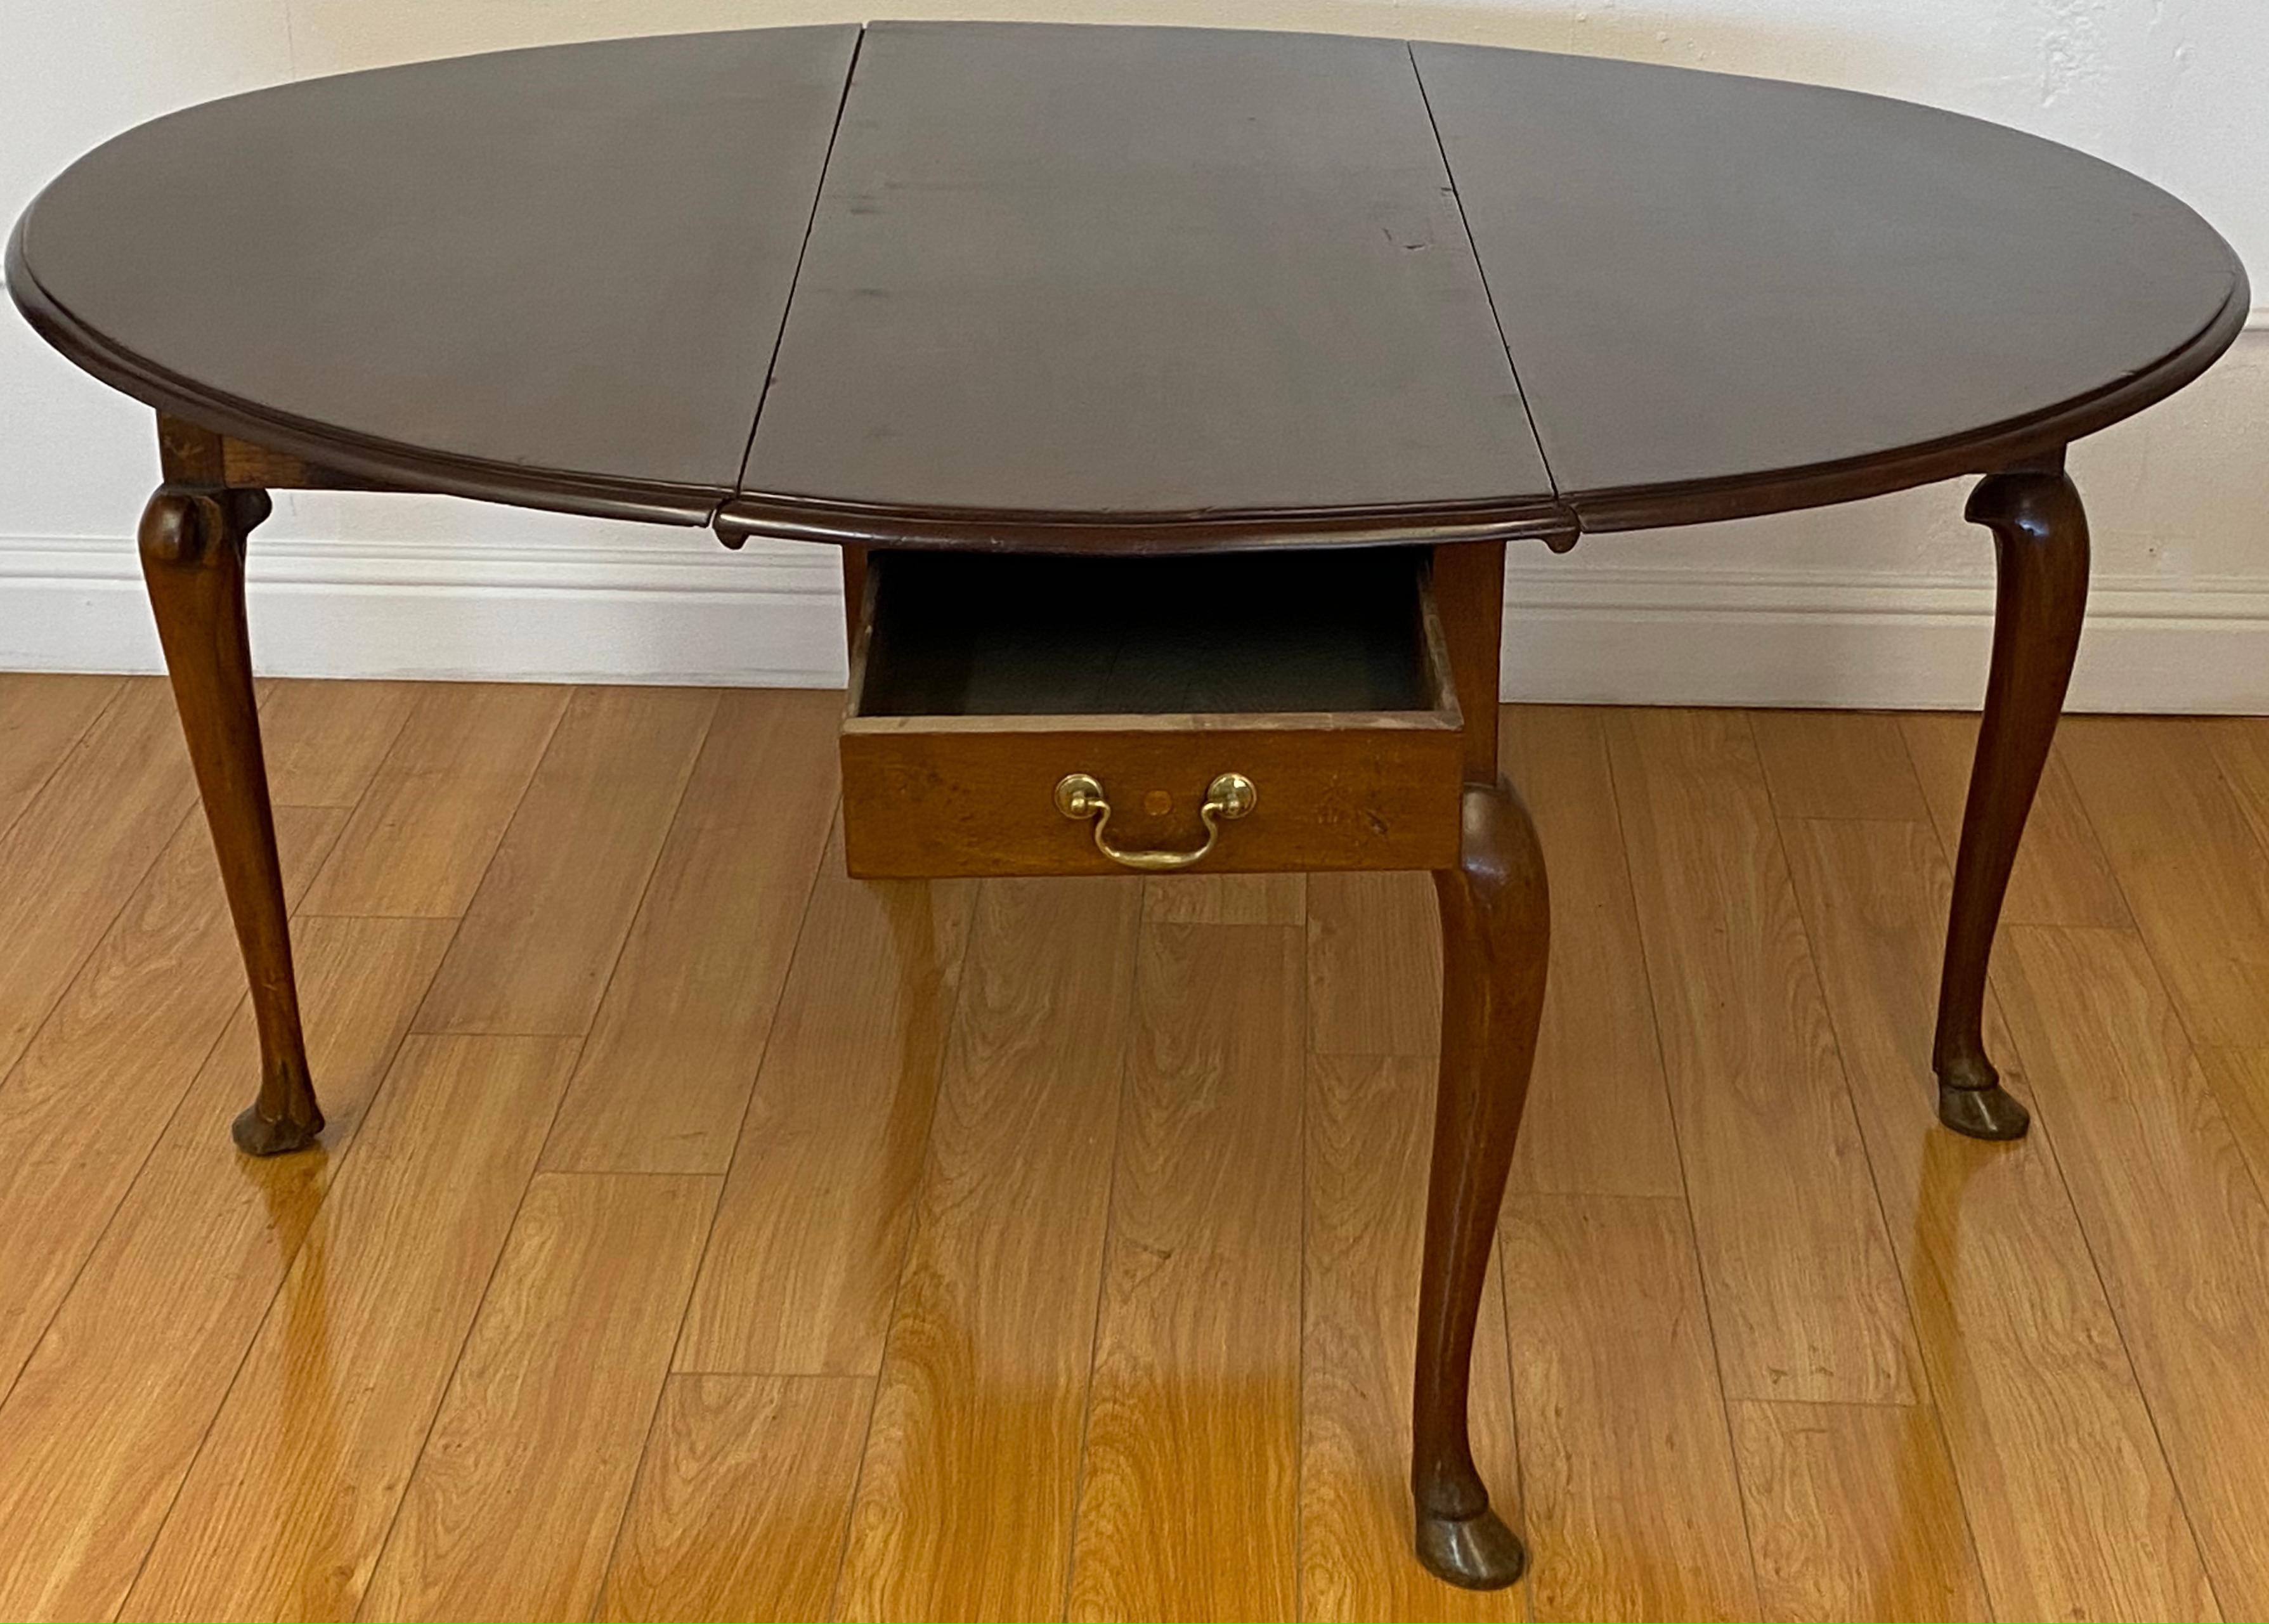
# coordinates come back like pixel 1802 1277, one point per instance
pixel 1231 795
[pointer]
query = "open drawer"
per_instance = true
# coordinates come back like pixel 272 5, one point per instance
pixel 1277 711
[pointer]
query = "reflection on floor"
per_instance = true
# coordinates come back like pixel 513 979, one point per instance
pixel 701 1233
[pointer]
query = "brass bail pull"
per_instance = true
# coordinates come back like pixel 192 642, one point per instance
pixel 1231 795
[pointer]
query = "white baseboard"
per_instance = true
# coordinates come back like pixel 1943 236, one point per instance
pixel 1845 637
pixel 686 611
pixel 680 610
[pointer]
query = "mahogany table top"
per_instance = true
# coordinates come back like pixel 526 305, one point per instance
pixel 1143 289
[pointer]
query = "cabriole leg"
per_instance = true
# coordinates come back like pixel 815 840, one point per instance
pixel 1496 926
pixel 2040 543
pixel 193 561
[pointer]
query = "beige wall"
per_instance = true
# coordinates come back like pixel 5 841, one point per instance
pixel 1882 602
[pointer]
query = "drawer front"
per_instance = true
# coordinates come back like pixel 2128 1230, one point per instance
pixel 935 796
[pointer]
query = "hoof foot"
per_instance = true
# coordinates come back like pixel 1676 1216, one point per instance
pixel 1478 1552
pixel 1990 1112
pixel 257 1135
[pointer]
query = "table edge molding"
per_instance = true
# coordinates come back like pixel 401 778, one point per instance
pixel 386 463
pixel 1987 449
pixel 806 519
pixel 734 514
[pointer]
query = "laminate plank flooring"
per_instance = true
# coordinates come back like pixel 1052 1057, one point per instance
pixel 741 1499
pixel 541 936
pixel 1598 1120
pixel 102 1425
pixel 1632 1506
pixel 287 1506
pixel 323 741
pixel 42 716
pixel 803 1267
pixel 2188 859
pixel 131 1031
pixel 2035 1391
pixel 2174 1217
pixel 2240 1080
pixel 2062 877
pixel 1374 964
pixel 1853 1513
pixel 422 836
pixel 1803 1292
pixel 1197 1356
pixel 1841 764
pixel 79 846
pixel 1370 1128
pixel 666 1074
pixel 970 1481
pixel 701 1233
pixel 523 1478
pixel 1226 898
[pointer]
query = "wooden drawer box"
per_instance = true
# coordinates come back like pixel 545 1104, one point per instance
pixel 978 683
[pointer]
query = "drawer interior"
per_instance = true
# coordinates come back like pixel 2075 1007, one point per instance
pixel 982 685
pixel 1337 631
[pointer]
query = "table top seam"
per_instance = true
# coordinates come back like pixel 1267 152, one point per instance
pixel 1449 175
pixel 787 305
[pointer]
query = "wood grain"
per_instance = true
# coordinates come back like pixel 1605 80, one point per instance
pixel 1374 964
pixel 2131 1220
pixel 544 930
pixel 513 372
pixel 2072 1506
pixel 741 1499
pixel 283 1511
pixel 1467 582
pixel 422 834
pixel 1369 1126
pixel 2240 1080
pixel 1853 1513
pixel 520 1484
pixel 192 541
pixel 2240 745
pixel 90 834
pixel 42 715
pixel 101 1427
pixel 923 796
pixel 1837 763
pixel 967 1496
pixel 244 463
pixel 1803 1291
pixel 2062 876
pixel 1099 357
pixel 1225 899
pixel 323 740
pixel 2173 1216
pixel 90 1096
pixel 1598 1119
pixel 1632 1507
pixel 1191 1469
pixel 2194 873
pixel 802 1266
pixel 1611 202
pixel 1094 356
pixel 666 1075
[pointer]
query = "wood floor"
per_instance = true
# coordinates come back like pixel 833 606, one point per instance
pixel 702 1234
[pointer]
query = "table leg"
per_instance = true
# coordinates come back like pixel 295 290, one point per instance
pixel 193 561
pixel 2040 543
pixel 1496 929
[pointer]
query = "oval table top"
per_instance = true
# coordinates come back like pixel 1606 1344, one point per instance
pixel 1148 289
